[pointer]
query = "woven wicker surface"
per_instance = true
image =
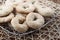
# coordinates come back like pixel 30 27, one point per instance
pixel 50 31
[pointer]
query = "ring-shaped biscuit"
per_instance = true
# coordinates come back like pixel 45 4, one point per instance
pixel 34 20
pixel 43 10
pixel 16 2
pixel 19 24
pixel 6 19
pixel 6 8
pixel 25 7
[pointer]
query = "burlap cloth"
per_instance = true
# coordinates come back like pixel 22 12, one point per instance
pixel 50 31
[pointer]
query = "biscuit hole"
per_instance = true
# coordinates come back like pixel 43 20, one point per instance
pixel 25 7
pixel 21 22
pixel 35 19
pixel 33 2
pixel 24 1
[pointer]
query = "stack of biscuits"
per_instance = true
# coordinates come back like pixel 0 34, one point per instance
pixel 24 14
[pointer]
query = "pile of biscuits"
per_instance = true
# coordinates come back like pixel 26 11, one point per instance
pixel 24 14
